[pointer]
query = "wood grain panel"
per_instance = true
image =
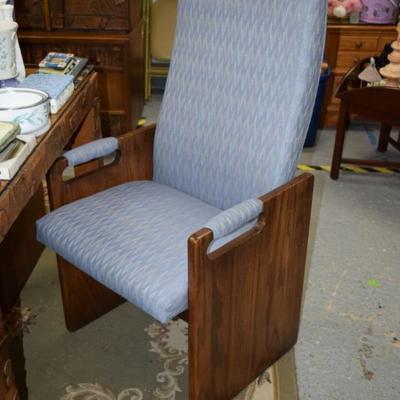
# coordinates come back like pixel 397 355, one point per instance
pixel 97 14
pixel 245 299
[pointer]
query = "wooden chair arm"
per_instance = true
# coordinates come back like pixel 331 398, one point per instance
pixel 249 291
pixel 134 161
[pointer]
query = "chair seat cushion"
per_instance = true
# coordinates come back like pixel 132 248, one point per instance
pixel 132 239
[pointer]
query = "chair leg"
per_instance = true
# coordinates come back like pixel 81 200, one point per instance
pixel 384 138
pixel 342 126
pixel 84 299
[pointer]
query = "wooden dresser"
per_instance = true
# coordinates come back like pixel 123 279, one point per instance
pixel 109 32
pixel 346 45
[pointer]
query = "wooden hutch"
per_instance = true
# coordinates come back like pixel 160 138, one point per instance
pixel 346 46
pixel 108 32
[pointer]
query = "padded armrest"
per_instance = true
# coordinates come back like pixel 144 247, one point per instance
pixel 91 151
pixel 230 220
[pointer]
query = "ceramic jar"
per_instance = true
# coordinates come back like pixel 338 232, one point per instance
pixel 379 11
pixel 8 37
pixel 7 12
pixel 7 15
pixel 28 108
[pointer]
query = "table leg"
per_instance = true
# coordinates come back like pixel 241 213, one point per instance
pixel 384 137
pixel 342 126
pixel 19 252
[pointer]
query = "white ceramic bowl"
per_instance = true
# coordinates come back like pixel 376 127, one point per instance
pixel 27 107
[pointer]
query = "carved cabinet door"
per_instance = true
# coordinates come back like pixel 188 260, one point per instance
pixel 30 13
pixel 96 14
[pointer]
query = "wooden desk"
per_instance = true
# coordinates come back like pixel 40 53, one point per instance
pixel 22 203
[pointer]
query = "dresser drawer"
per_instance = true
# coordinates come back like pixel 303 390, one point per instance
pixel 386 39
pixel 347 60
pixel 359 43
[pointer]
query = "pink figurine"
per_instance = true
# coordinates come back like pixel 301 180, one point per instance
pixel 342 8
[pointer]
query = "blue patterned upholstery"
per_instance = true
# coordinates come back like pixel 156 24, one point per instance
pixel 239 96
pixel 91 151
pixel 133 239
pixel 231 220
pixel 237 106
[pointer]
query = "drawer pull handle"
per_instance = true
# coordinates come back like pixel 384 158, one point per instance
pixel 359 45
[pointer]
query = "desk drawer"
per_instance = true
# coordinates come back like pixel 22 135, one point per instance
pixel 356 43
pixel 80 108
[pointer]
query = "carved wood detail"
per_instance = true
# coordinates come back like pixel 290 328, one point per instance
pixel 8 388
pixel 30 13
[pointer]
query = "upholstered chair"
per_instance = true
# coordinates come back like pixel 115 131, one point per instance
pixel 202 217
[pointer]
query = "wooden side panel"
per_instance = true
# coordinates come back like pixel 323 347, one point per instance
pixel 245 300
pixel 84 298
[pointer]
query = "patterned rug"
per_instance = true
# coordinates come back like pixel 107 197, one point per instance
pixel 169 343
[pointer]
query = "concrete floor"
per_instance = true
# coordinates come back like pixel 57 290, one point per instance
pixel 349 345
pixel 349 341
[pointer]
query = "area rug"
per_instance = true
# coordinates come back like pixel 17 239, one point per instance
pixel 169 343
pixel 124 355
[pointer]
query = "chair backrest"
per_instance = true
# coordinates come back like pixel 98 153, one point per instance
pixel 239 96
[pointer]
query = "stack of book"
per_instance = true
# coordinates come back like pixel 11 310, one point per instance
pixel 62 64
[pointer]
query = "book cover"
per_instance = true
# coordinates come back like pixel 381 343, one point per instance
pixel 57 61
pixel 53 85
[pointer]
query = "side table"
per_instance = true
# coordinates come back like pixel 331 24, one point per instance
pixel 380 104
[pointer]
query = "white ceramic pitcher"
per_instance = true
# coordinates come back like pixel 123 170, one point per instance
pixel 7 15
pixel 8 37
